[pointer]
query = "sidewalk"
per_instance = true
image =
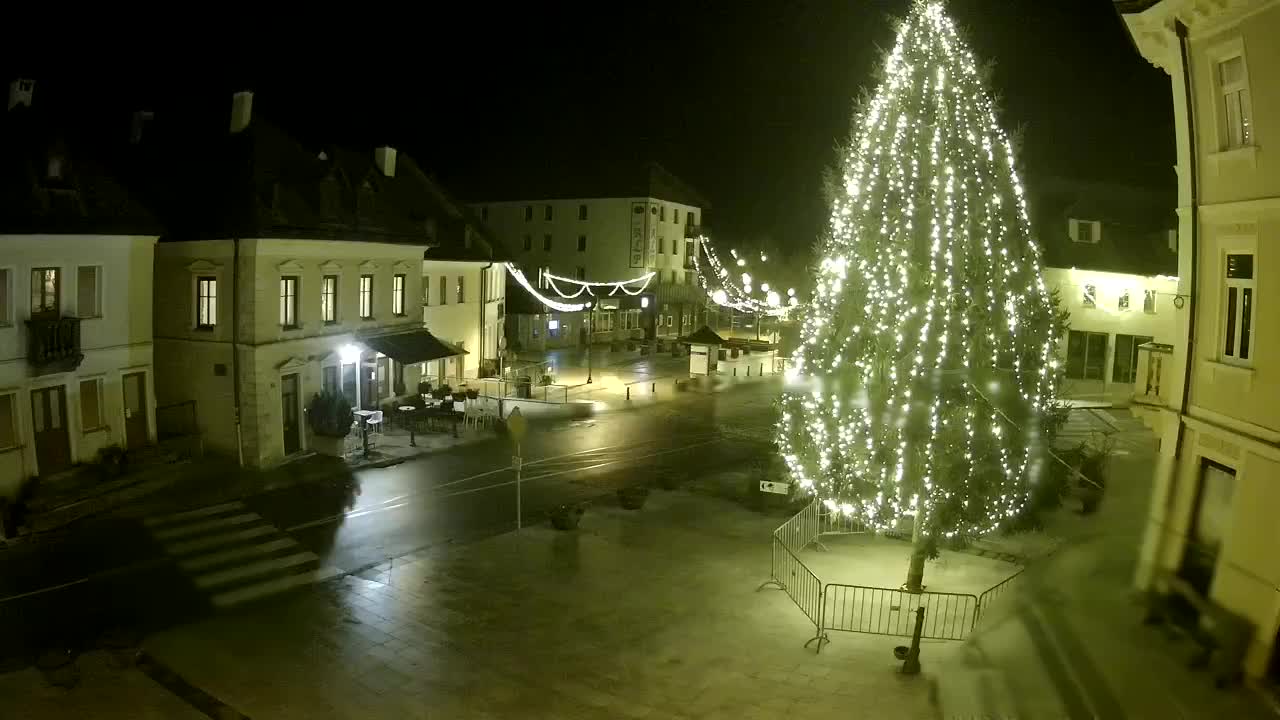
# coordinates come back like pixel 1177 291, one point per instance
pixel 637 614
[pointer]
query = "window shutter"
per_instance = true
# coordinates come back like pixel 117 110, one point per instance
pixel 1097 232
pixel 87 292
pixel 1072 229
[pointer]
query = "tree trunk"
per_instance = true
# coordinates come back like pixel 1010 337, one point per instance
pixel 915 571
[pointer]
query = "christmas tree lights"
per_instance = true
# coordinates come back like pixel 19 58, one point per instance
pixel 928 348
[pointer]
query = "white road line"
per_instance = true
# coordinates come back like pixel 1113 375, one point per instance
pixel 273 586
pixel 205 543
pixel 197 528
pixel 201 562
pixel 261 567
pixel 187 515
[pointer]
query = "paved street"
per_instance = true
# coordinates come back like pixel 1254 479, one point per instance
pixel 168 569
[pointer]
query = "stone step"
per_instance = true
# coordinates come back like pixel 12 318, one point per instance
pixel 265 588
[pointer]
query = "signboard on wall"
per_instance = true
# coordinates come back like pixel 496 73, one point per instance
pixel 651 232
pixel 638 218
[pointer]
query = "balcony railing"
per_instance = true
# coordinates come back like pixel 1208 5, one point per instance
pixel 53 344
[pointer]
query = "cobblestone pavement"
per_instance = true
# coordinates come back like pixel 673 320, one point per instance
pixel 637 614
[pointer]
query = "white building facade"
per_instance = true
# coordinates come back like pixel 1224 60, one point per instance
pixel 1211 529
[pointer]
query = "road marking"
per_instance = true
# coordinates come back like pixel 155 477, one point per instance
pixel 261 567
pixel 273 586
pixel 224 556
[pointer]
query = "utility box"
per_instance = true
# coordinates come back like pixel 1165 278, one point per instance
pixel 704 350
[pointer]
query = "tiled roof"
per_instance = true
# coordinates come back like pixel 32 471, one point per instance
pixel 599 179
pixel 1135 225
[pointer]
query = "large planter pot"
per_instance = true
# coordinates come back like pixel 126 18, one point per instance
pixel 632 498
pixel 328 445
pixel 567 517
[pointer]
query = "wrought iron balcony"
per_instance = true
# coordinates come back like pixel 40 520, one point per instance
pixel 53 344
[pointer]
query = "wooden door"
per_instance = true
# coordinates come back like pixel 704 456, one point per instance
pixel 49 426
pixel 136 430
pixel 289 413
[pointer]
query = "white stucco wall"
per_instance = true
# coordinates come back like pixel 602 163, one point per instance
pixel 115 343
pixel 464 323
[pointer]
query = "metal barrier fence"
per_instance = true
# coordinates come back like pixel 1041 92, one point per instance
pixel 793 577
pixel 882 611
pixel 992 594
pixel 802 528
pixel 833 522
pixel 511 389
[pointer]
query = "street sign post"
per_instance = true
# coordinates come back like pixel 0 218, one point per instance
pixel 516 426
pixel 780 488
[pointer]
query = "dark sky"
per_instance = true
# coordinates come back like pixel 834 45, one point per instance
pixel 745 100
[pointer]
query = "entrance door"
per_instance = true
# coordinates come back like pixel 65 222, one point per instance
pixel 136 432
pixel 289 413
pixel 49 423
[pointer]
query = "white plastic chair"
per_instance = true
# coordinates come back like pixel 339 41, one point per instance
pixel 375 422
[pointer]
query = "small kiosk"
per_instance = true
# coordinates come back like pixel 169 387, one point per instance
pixel 704 350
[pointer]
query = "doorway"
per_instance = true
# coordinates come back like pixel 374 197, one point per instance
pixel 289 413
pixel 136 431
pixel 49 425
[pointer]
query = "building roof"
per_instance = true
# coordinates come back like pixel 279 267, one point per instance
pixel 1127 7
pixel 704 336
pixel 262 182
pixel 600 178
pixel 53 182
pixel 1135 225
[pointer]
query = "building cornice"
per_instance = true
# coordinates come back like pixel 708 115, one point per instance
pixel 1152 25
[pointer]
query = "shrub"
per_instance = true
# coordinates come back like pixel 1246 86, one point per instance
pixel 329 414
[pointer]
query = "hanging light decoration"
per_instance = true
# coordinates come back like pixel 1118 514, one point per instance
pixel 631 287
pixel 723 290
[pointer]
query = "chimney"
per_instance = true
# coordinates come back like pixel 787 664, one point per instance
pixel 20 92
pixel 140 120
pixel 241 110
pixel 385 158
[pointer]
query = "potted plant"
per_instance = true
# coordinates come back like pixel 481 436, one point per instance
pixel 112 462
pixel 633 497
pixel 567 517
pixel 546 380
pixel 424 388
pixel 329 414
pixel 472 393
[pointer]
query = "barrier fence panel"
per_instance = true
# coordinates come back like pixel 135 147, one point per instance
pixel 801 529
pixel 986 599
pixel 800 584
pixel 881 611
pixel 833 522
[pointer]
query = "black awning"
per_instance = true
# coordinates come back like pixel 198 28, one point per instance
pixel 704 336
pixel 411 346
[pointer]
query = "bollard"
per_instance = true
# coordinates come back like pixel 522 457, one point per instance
pixel 761 371
pixel 735 372
pixel 628 392
pixel 653 388
pixel 748 371
pixel 911 666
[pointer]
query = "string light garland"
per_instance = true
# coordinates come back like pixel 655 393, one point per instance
pixel 631 287
pixel 729 293
pixel 928 350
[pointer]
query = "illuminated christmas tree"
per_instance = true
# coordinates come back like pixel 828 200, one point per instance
pixel 928 355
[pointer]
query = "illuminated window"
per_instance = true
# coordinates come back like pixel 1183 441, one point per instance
pixel 206 302
pixel 289 302
pixel 366 297
pixel 1237 321
pixel 329 299
pixel 1237 108
pixel 397 295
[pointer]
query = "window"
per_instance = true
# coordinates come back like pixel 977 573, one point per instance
pixel 582 211
pixel 537 325
pixel 669 323
pixel 528 243
pixel 88 291
pixel 546 212
pixel 1085 231
pixel 397 295
pixel 675 215
pixel 329 299
pixel 662 246
pixel 1122 304
pixel 462 291
pixel 691 219
pixel 1148 301
pixel 426 290
pixel 1237 108
pixel 289 302
pixel 366 297
pixel 8 421
pixel 484 212
pixel 582 243
pixel 582 273
pixel 1238 316
pixel 206 302
pixel 1209 524
pixel 1125 367
pixel 675 246
pixel 1090 297
pixel 6 303
pixel 91 405
pixel 1086 355
pixel 329 379
pixel 657 320
pixel 528 213
pixel 444 290
pixel 662 213
pixel 46 286
pixel 546 243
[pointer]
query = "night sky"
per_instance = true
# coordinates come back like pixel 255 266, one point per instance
pixel 744 100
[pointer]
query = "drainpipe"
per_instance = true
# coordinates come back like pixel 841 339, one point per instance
pixel 1192 163
pixel 235 345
